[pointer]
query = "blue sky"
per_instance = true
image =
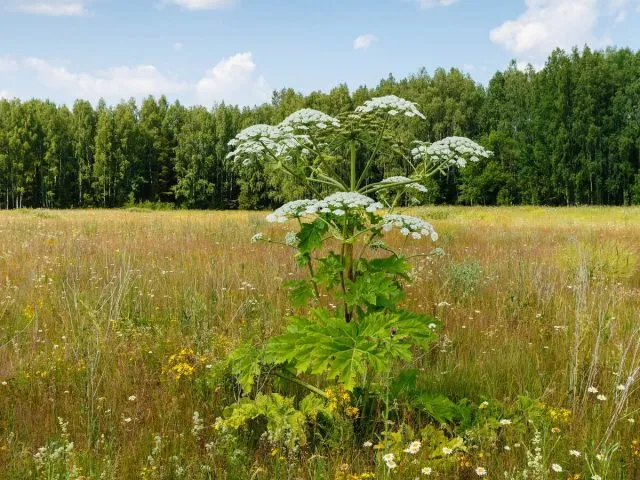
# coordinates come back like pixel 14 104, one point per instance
pixel 207 51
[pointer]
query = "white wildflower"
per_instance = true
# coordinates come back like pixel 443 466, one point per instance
pixel 450 151
pixel 602 398
pixel 505 422
pixel 592 390
pixel 409 225
pixel 413 448
pixel 556 467
pixel 481 471
pixel 295 209
pixel 367 444
pixel 574 453
pixel 257 237
pixel 341 202
pixel 621 388
pixel 132 398
pixel 392 105
pixel 427 471
pixel 406 182
pixel 307 117
pixel 447 450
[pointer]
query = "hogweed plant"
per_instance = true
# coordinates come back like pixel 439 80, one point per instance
pixel 354 329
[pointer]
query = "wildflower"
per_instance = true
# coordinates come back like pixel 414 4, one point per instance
pixel 127 419
pixel 574 453
pixel 341 202
pixel 409 225
pixel 507 448
pixel 447 450
pixel 367 444
pixel 621 388
pixel 392 105
pixel 413 448
pixel 352 411
pixel 481 471
pixel 295 209
pixel 453 151
pixel 406 183
pixel 592 390
pixel 389 460
pixel 596 477
pixel 427 471
pixel 505 422
pixel 555 430
pixel 132 398
pixel 602 398
pixel 483 405
pixel 291 239
pixel 556 467
pixel 257 237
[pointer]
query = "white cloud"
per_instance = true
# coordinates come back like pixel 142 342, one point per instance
pixel 436 3
pixel 364 41
pixel 52 8
pixel 112 84
pixel 4 94
pixel 8 64
pixel 201 4
pixel 233 80
pixel 547 24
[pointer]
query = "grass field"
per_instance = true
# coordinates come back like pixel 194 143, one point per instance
pixel 113 325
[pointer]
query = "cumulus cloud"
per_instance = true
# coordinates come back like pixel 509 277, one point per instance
pixel 547 24
pixel 436 3
pixel 234 80
pixel 201 4
pixel 8 64
pixel 364 41
pixel 112 84
pixel 51 8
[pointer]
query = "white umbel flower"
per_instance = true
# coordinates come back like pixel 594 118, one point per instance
pixel 409 225
pixel 295 209
pixel 407 183
pixel 308 117
pixel 261 140
pixel 452 151
pixel 341 202
pixel 392 105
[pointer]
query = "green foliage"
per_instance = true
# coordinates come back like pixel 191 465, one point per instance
pixel 567 134
pixel 285 424
pixel 324 344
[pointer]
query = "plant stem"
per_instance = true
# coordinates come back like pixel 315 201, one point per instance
pixel 302 383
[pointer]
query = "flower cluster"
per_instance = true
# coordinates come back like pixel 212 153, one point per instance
pixel 306 118
pixel 389 460
pixel 341 202
pixel 295 209
pixel 391 105
pixel 409 225
pixel 407 183
pixel 259 140
pixel 450 151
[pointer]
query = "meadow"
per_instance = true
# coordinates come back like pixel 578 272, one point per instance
pixel 115 326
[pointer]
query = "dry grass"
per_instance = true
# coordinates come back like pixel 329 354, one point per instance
pixel 539 302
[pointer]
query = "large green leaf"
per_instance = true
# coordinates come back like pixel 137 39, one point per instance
pixel 326 345
pixel 245 365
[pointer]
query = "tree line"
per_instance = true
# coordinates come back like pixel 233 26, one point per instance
pixel 567 134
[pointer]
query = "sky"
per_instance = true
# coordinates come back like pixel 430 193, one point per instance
pixel 239 51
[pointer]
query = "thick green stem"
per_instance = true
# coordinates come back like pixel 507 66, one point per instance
pixel 354 185
pixel 373 155
pixel 306 385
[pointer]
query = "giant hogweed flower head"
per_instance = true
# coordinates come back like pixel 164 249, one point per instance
pixel 259 140
pixel 295 209
pixel 340 203
pixel 453 151
pixel 409 225
pixel 392 105
pixel 407 183
pixel 308 118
